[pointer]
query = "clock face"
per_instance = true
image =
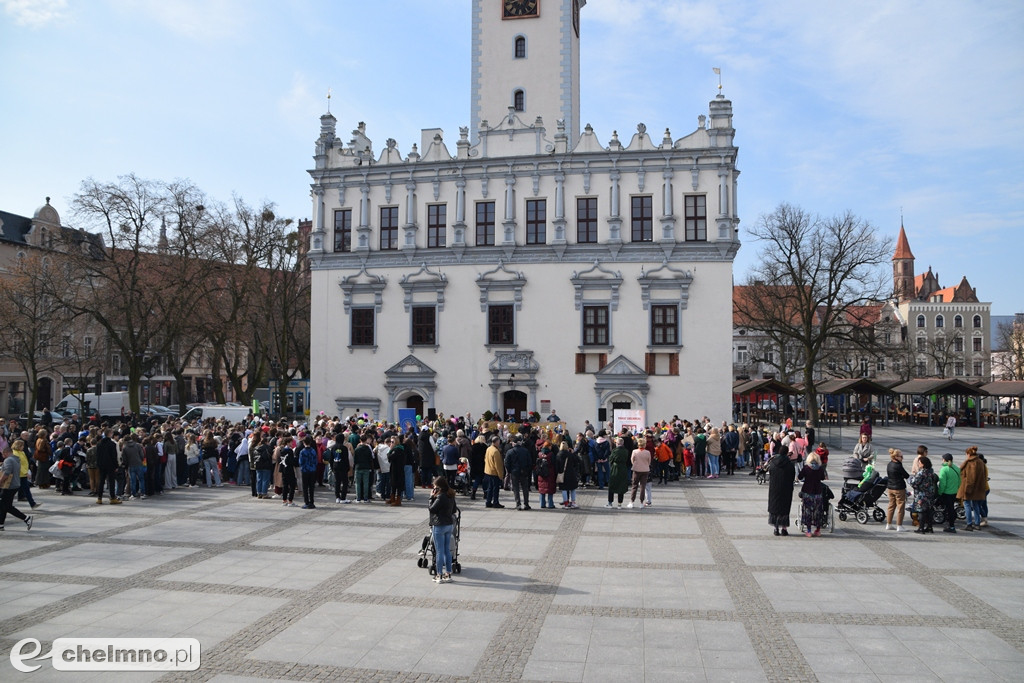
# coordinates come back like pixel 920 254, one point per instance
pixel 517 9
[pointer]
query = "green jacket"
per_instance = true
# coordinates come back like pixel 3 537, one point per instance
pixel 949 479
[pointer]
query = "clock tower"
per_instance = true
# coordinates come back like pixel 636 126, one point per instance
pixel 526 55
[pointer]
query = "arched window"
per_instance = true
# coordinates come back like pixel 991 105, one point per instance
pixel 958 321
pixel 520 47
pixel 977 322
pixel 940 321
pixel 519 100
pixel 920 321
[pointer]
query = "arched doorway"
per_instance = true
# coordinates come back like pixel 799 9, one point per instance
pixel 514 406
pixel 415 401
pixel 44 393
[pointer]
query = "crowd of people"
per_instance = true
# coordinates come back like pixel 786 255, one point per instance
pixel 381 461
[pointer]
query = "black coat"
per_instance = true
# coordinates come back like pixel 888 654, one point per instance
pixel 782 472
pixel 569 465
pixel 428 458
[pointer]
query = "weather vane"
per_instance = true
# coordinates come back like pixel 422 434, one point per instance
pixel 719 72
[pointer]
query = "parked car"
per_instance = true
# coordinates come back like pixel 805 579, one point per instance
pixel 767 404
pixel 38 415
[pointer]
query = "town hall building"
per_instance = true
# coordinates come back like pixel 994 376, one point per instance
pixel 528 265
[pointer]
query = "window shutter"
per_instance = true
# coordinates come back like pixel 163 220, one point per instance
pixel 581 363
pixel 602 360
pixel 649 364
pixel 673 364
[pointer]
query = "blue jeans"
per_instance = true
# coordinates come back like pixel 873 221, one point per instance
pixel 713 466
pixel 972 508
pixel 262 482
pixel 138 475
pixel 547 500
pixel 384 485
pixel 243 473
pixel 410 485
pixel 26 491
pixel 443 547
pixel 362 485
pixel 492 485
pixel 569 496
pixel 601 473
pixel 210 465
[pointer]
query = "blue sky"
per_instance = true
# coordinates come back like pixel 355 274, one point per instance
pixel 873 107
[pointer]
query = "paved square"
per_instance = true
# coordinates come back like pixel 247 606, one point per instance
pixel 694 588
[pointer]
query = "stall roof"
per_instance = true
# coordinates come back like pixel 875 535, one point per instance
pixel 945 387
pixel 1004 388
pixel 858 385
pixel 773 386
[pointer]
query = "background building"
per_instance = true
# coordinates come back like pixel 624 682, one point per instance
pixel 535 268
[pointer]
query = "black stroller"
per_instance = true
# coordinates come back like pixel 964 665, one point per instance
pixel 860 501
pixel 428 553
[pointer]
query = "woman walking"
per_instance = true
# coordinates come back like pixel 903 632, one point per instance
pixel 442 507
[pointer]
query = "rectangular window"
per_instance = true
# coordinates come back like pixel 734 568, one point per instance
pixel 888 337
pixel 343 230
pixel 977 368
pixel 665 327
pixel 485 224
pixel 501 324
pixel 864 367
pixel 424 326
pixel 115 364
pixel 642 219
pixel 595 326
pixel 87 344
pixel 958 369
pixel 586 220
pixel 388 228
pixel 922 368
pixel 437 226
pixel 536 221
pixel 958 345
pixel 977 343
pixel 922 344
pixel 880 365
pixel 696 218
pixel 742 355
pixel 362 326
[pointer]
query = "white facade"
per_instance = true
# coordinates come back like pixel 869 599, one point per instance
pixel 535 267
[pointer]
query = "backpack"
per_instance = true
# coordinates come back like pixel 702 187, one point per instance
pixel 543 467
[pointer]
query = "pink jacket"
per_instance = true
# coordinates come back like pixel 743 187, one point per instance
pixel 641 460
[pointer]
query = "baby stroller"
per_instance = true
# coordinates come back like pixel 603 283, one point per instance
pixel 428 553
pixel 861 503
pixel 462 482
pixel 939 514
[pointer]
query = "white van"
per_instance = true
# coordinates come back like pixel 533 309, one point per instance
pixel 217 411
pixel 109 404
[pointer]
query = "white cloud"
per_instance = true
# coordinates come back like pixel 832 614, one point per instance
pixel 35 12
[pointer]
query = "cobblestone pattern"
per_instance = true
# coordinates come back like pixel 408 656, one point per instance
pixel 776 649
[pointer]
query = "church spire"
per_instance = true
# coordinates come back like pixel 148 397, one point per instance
pixel 902 245
pixel 903 269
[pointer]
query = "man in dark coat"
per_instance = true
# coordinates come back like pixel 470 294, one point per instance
pixel 106 459
pixel 519 467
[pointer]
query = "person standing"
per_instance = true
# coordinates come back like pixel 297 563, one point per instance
pixel 547 477
pixel 973 487
pixel 287 461
pixel 338 456
pixel 363 464
pixel 24 490
pixel 640 460
pixel 517 464
pixel 700 453
pixel 570 467
pixel 896 489
pixel 782 473
pixel 494 473
pixel 396 462
pixel 618 477
pixel 10 482
pixel 813 508
pixel 307 464
pixel 950 426
pixel 477 453
pixel 714 446
pixel 925 483
pixel 441 508
pixel 949 485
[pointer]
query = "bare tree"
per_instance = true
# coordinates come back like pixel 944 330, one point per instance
pixel 25 336
pixel 1008 358
pixel 812 272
